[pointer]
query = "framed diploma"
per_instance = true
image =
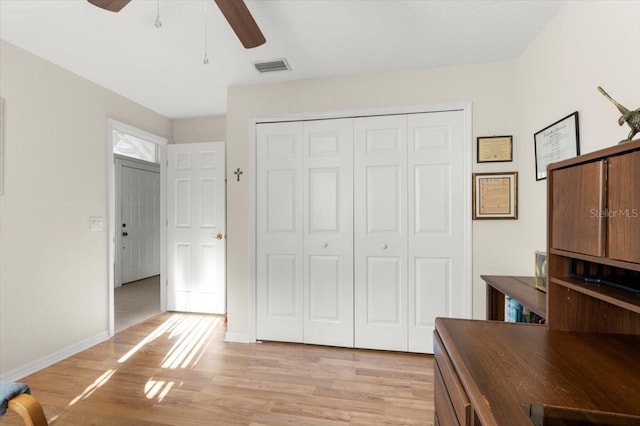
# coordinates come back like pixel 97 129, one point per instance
pixel 495 149
pixel 495 195
pixel 556 142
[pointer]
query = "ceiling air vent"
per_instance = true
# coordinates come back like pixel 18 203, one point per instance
pixel 275 65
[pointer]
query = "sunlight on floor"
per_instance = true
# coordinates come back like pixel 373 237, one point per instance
pixel 191 333
pixel 160 388
pixel 94 386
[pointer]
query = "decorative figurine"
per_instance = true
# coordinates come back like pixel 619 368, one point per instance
pixel 632 118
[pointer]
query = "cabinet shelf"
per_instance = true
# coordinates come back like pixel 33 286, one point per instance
pixel 621 298
pixel 596 259
pixel 520 288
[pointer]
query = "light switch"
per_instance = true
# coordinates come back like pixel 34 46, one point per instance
pixel 97 223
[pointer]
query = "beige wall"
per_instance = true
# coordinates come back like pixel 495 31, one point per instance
pixel 587 44
pixel 200 129
pixel 53 269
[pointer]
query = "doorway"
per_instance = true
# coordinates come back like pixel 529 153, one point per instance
pixel 137 271
pixel 136 237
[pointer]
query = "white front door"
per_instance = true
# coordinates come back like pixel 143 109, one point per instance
pixel 140 221
pixel 380 198
pixel 196 229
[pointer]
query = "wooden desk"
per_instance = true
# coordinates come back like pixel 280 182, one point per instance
pixel 486 370
pixel 520 288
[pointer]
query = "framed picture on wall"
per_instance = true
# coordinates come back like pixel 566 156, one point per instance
pixel 495 195
pixel 556 142
pixel 495 149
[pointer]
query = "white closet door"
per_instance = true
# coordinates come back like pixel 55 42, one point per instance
pixel 436 188
pixel 380 169
pixel 279 211
pixel 328 232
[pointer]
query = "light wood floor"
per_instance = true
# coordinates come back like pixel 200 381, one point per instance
pixel 175 369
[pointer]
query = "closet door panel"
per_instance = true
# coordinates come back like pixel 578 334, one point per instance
pixel 437 217
pixel 328 232
pixel 383 198
pixel 384 287
pixel 324 288
pixel 279 227
pixel 281 286
pixel 380 226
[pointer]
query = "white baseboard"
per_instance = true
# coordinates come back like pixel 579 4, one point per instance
pixel 237 338
pixel 46 361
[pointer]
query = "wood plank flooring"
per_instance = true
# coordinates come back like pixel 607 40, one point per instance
pixel 175 369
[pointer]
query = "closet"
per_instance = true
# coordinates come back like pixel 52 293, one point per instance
pixel 362 229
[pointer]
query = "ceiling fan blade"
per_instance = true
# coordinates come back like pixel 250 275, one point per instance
pixel 241 22
pixel 110 5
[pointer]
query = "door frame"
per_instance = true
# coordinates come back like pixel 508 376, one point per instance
pixel 465 106
pixel 111 211
pixel 133 163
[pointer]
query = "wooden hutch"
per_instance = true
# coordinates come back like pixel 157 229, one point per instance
pixel 583 366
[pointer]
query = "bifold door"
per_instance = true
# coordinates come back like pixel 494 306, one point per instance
pixel 305 232
pixel 361 229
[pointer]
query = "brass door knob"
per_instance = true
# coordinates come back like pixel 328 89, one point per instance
pixel 219 236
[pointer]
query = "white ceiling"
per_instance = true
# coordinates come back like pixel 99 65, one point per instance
pixel 162 68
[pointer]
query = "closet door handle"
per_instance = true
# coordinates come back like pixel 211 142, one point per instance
pixel 384 246
pixel 325 245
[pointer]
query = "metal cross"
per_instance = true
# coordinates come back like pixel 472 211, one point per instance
pixel 238 172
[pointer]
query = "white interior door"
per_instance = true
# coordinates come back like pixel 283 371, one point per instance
pixel 328 232
pixel 381 232
pixel 196 240
pixel 279 223
pixel 140 221
pixel 437 217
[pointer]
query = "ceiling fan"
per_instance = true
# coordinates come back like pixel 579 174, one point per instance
pixel 235 11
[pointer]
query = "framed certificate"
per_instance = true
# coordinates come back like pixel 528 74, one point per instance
pixel 495 195
pixel 495 149
pixel 556 142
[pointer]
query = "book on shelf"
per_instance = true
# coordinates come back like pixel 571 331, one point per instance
pixel 515 311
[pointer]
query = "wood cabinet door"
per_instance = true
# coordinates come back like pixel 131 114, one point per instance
pixel 578 215
pixel 623 211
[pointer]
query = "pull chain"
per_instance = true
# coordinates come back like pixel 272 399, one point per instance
pixel 158 22
pixel 206 58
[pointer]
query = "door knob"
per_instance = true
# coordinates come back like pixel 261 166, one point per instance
pixel 325 245
pixel 219 236
pixel 124 234
pixel 384 246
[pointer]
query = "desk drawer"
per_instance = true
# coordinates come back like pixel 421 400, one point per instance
pixel 457 396
pixel 445 414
